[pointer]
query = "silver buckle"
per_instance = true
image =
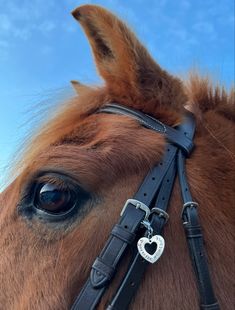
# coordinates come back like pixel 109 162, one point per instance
pixel 138 205
pixel 189 204
pixel 161 213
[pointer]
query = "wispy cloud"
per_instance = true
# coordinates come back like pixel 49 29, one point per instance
pixel 204 27
pixel 3 55
pixel 9 28
pixel 46 26
pixel 5 23
pixel 4 44
pixel 46 50
pixel 20 21
pixel 185 4
pixel 22 34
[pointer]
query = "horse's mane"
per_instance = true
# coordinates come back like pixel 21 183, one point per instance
pixel 203 96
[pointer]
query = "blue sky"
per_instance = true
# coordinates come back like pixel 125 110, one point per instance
pixel 42 48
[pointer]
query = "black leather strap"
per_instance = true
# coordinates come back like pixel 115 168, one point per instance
pixel 109 257
pixel 117 242
pixel 130 283
pixel 194 235
pixel 123 234
pixel 116 245
pixel 137 267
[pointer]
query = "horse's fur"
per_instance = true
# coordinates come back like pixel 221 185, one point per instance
pixel 44 266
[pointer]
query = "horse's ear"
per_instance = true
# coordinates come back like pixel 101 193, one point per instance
pixel 122 60
pixel 79 87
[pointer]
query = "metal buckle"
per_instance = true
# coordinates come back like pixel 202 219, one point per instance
pixel 138 205
pixel 161 213
pixel 189 204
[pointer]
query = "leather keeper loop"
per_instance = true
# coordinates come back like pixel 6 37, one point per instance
pixel 193 231
pixel 100 273
pixel 214 306
pixel 123 234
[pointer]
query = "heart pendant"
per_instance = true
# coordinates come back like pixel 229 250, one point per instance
pixel 158 240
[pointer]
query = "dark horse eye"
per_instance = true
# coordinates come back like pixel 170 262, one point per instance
pixel 54 199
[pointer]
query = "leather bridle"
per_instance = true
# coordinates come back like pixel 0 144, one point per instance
pixel 143 218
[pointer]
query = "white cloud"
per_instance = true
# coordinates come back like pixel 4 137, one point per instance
pixel 204 27
pixel 20 21
pixel 3 55
pixel 69 27
pixel 228 20
pixel 46 26
pixel 185 4
pixel 5 23
pixel 22 34
pixel 4 44
pixel 31 10
pixel 46 50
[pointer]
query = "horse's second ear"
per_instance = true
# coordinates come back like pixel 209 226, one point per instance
pixel 121 59
pixel 79 87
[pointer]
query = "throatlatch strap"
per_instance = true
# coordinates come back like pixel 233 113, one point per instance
pixel 195 241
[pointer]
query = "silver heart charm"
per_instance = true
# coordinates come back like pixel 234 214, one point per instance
pixel 151 258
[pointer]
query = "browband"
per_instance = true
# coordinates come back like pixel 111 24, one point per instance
pixel 174 136
pixel 146 214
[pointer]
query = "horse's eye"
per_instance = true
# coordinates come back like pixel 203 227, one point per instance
pixel 54 199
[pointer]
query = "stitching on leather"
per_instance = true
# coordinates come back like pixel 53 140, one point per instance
pixel 152 127
pixel 159 122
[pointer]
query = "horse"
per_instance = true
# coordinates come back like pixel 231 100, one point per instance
pixel 96 161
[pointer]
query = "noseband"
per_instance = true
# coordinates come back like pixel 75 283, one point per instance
pixel 143 218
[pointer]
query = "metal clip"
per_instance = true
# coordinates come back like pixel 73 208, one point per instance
pixel 149 228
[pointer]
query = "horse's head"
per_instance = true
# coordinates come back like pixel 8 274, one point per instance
pixel 79 170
